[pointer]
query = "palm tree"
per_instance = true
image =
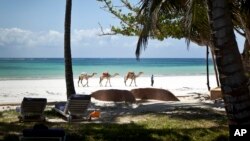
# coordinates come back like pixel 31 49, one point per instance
pixel 70 89
pixel 233 81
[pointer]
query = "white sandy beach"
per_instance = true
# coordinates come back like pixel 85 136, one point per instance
pixel 13 91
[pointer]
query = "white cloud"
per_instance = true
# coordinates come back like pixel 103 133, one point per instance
pixel 15 37
pixel 84 43
pixel 89 37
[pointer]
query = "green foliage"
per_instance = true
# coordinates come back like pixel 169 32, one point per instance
pixel 170 20
pixel 162 19
pixel 175 19
pixel 131 23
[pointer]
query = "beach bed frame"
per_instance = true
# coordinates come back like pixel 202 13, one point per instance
pixel 32 109
pixel 75 108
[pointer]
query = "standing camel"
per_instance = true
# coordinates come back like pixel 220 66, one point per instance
pixel 107 76
pixel 85 76
pixel 132 76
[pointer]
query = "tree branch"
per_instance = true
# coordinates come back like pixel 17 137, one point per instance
pixel 105 33
pixel 239 32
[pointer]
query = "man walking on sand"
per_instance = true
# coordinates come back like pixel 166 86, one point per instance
pixel 152 80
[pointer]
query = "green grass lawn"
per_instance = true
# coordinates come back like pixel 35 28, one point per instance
pixel 193 124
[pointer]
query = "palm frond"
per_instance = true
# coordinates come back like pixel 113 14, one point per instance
pixel 196 23
pixel 142 42
pixel 244 5
pixel 149 10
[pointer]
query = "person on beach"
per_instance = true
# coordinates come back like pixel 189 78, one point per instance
pixel 152 80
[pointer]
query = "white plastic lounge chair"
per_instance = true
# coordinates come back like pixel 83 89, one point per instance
pixel 32 109
pixel 74 109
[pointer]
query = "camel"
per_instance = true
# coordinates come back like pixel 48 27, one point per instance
pixel 107 76
pixel 85 76
pixel 132 76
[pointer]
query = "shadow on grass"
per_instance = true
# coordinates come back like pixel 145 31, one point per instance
pixel 180 111
pixel 221 138
pixel 107 132
pixel 52 114
pixel 132 131
pixel 198 113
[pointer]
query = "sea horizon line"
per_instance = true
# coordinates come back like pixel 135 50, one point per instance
pixel 100 58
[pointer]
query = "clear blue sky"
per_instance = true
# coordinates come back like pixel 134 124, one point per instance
pixel 35 28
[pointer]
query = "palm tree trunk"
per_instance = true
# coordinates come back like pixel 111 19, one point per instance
pixel 207 65
pixel 246 50
pixel 231 72
pixel 70 89
pixel 215 66
pixel 246 57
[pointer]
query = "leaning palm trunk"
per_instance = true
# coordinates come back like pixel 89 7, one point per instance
pixel 67 51
pixel 231 72
pixel 215 65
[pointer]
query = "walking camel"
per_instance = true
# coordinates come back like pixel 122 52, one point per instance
pixel 85 76
pixel 132 76
pixel 107 76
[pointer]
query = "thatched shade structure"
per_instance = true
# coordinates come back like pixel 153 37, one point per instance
pixel 114 95
pixel 154 94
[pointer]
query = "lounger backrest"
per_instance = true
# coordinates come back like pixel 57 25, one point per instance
pixel 77 104
pixel 33 106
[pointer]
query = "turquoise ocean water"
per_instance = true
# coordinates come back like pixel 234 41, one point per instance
pixel 51 68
